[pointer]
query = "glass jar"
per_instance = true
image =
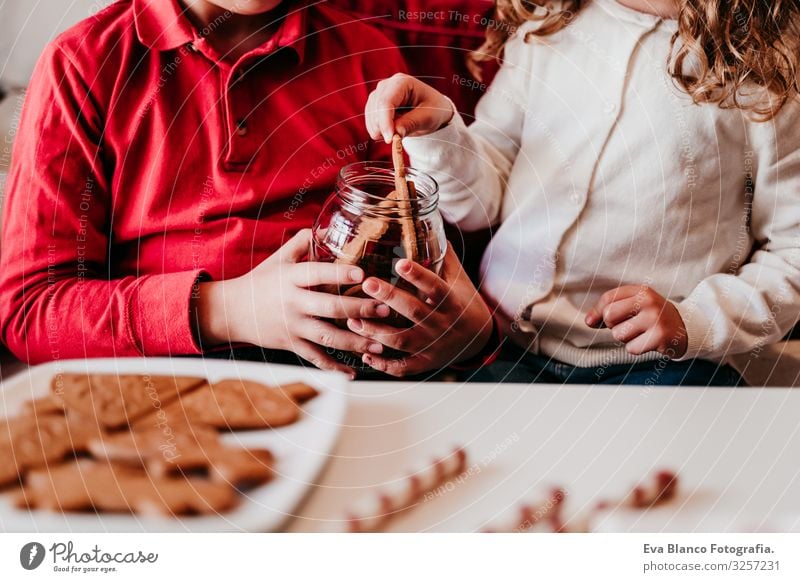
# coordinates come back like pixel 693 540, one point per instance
pixel 365 223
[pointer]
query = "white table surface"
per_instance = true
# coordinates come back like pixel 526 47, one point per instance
pixel 736 452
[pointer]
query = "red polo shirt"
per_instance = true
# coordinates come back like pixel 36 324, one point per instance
pixel 143 160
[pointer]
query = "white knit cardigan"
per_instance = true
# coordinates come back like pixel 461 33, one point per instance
pixel 601 172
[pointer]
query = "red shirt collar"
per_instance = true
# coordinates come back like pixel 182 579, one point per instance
pixel 162 25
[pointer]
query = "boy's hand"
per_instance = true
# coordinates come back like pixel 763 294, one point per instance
pixel 642 319
pixel 452 323
pixel 424 109
pixel 273 306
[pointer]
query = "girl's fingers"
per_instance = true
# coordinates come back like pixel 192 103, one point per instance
pixel 648 341
pixel 408 340
pixel 402 302
pixel 371 117
pixel 384 118
pixel 313 273
pixel 391 93
pixel 428 109
pixel 398 367
pixel 317 356
pixel 338 307
pixel 595 316
pixel 425 280
pixel 621 310
pixel 629 329
pixel 331 337
pixel 384 104
pixel 423 119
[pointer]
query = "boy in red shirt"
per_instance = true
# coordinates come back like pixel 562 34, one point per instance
pixel 168 151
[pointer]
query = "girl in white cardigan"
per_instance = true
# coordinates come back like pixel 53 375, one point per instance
pixel 641 160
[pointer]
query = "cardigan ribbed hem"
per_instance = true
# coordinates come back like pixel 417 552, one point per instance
pixel 603 357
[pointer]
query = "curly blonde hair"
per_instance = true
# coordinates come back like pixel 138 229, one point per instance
pixel 731 44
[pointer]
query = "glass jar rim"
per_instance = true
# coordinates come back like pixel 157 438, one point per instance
pixel 354 174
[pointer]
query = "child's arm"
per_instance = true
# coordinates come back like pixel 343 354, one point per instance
pixel 53 303
pixel 756 303
pixel 471 165
pixel 59 297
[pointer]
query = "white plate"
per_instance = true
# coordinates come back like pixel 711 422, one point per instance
pixel 301 449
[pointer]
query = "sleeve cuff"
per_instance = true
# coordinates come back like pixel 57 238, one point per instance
pixel 698 330
pixel 427 150
pixel 159 315
pixel 487 355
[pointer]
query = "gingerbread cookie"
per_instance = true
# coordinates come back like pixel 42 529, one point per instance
pixel 117 400
pixel 153 440
pixel 49 404
pixel 234 405
pixel 170 452
pixel 86 485
pixel 28 442
pixel 9 471
pixel 299 391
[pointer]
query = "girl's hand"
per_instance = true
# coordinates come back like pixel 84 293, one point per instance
pixel 642 319
pixel 424 109
pixel 450 324
pixel 273 306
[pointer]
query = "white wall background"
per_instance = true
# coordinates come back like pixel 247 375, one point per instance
pixel 26 26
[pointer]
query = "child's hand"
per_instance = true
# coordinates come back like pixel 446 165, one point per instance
pixel 273 306
pixel 424 109
pixel 642 319
pixel 452 325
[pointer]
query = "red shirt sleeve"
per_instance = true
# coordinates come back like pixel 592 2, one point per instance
pixel 58 296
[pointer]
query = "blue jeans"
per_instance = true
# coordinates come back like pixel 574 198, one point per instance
pixel 517 365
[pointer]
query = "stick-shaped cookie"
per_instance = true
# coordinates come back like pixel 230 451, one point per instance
pixel 375 511
pixel 404 192
pixel 372 228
